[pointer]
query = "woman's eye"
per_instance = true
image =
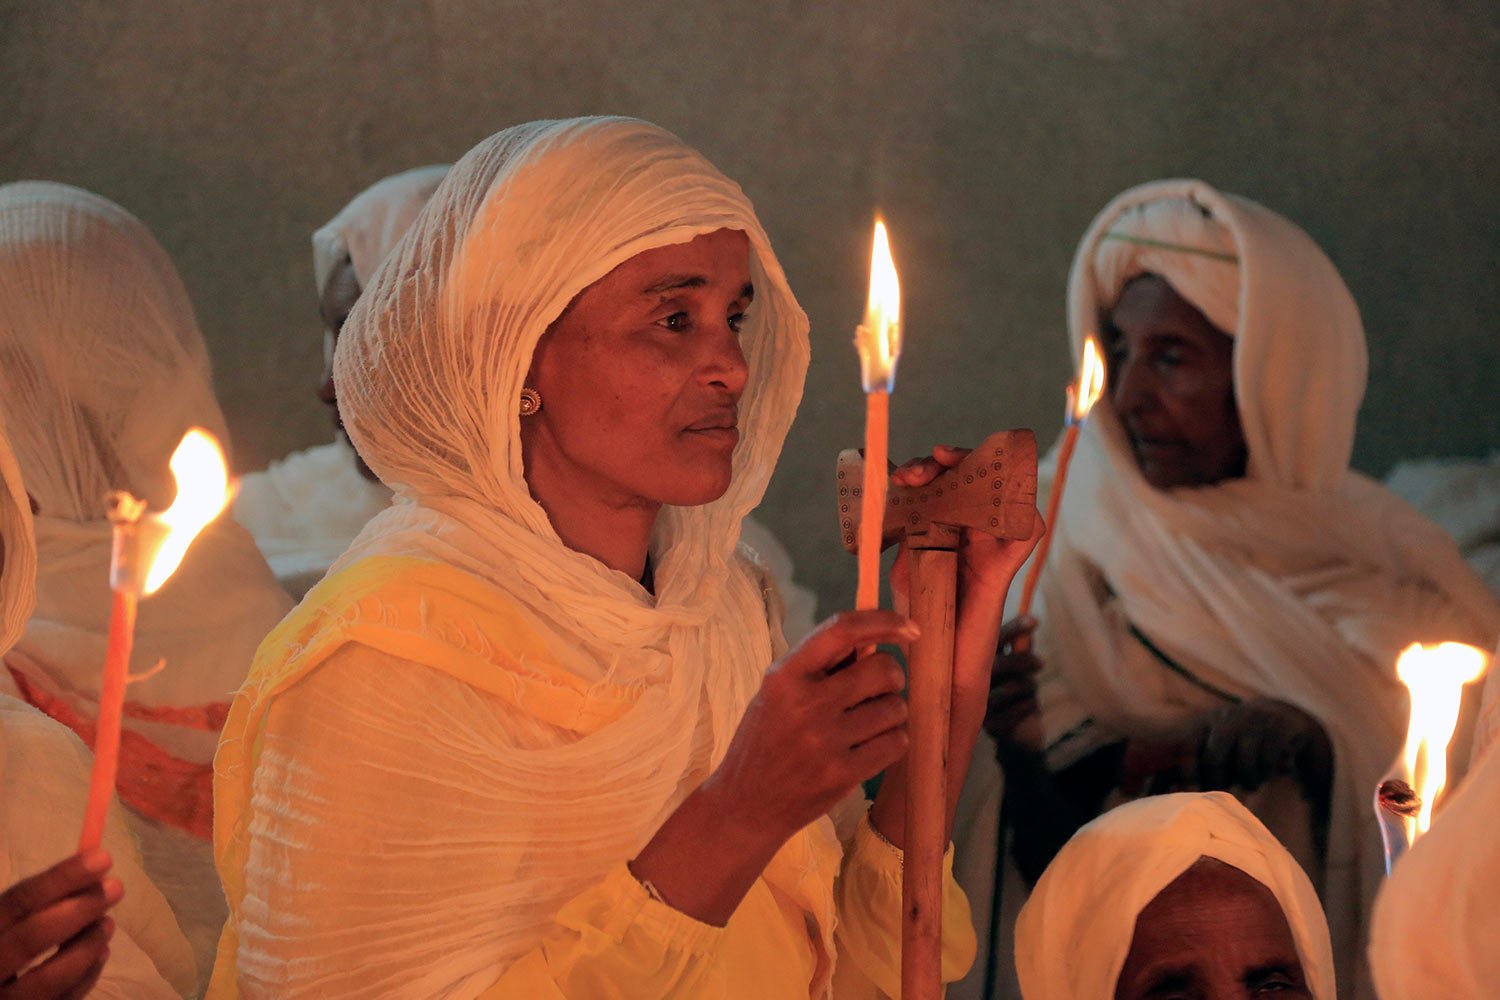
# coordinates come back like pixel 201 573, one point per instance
pixel 737 322
pixel 678 322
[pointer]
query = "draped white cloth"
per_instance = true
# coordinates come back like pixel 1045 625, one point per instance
pixel 104 370
pixel 17 548
pixel 372 223
pixel 1075 931
pixel 1436 923
pixel 1463 497
pixel 429 368
pixel 1299 582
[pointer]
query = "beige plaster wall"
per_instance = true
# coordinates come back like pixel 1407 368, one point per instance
pixel 989 132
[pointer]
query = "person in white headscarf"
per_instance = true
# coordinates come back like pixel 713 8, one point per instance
pixel 55 937
pixel 103 372
pixel 1436 923
pixel 1225 599
pixel 1176 895
pixel 306 508
pixel 527 739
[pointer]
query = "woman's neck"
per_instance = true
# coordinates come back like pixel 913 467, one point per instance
pixel 596 520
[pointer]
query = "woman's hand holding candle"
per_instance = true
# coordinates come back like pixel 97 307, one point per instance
pixel 819 726
pixel 62 908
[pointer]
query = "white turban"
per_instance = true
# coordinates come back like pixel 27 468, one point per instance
pixel 429 368
pixel 1299 582
pixel 374 220
pixel 1075 931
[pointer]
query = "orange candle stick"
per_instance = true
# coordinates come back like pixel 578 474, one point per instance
pixel 147 549
pixel 878 340
pixel 1082 395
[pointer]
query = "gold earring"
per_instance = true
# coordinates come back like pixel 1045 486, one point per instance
pixel 531 402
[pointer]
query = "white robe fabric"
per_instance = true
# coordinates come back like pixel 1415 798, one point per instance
pixel 1075 931
pixel 1437 922
pixel 1463 497
pixel 1300 582
pixel 44 780
pixel 104 371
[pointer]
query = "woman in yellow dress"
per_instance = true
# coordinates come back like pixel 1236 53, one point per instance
pixel 538 734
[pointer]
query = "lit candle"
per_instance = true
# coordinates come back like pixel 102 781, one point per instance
pixel 878 340
pixel 148 548
pixel 1081 395
pixel 1435 676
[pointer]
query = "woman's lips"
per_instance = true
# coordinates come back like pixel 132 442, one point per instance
pixel 721 435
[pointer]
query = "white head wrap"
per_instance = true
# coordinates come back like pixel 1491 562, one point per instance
pixel 1075 931
pixel 429 369
pixel 368 227
pixel 1301 581
pixel 17 549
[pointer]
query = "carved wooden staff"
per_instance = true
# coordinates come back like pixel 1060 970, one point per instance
pixel 993 490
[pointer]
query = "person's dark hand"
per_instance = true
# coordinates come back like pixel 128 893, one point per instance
pixel 1012 718
pixel 820 724
pixel 63 908
pixel 1246 745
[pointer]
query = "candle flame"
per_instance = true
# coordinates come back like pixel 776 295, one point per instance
pixel 878 338
pixel 202 477
pixel 1083 394
pixel 1435 675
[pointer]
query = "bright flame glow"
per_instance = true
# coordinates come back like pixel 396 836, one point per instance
pixel 1435 675
pixel 879 336
pixel 1090 386
pixel 202 492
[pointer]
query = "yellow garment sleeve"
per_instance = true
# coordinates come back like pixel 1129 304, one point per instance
pixel 615 941
pixel 869 920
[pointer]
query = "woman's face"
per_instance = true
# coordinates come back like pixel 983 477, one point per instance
pixel 1214 933
pixel 641 378
pixel 1171 380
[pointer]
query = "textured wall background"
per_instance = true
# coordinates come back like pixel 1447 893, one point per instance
pixel 989 133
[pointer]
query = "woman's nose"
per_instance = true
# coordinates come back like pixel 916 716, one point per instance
pixel 727 366
pixel 1130 389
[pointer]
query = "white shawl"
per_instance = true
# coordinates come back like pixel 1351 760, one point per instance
pixel 429 369
pixel 1299 582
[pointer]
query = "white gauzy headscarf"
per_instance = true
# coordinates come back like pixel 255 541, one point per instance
pixel 374 220
pixel 1300 582
pixel 429 370
pixel 1075 931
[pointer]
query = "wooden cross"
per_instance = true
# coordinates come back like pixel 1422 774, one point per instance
pixel 992 490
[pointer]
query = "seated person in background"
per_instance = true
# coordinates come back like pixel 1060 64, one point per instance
pixel 103 371
pixel 1182 895
pixel 1437 922
pixel 1225 599
pixel 306 508
pixel 590 766
pixel 49 897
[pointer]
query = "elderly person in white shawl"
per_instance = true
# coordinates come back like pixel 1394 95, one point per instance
pixel 538 733
pixel 1183 895
pixel 1225 598
pixel 306 508
pixel 103 371
pixel 56 940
